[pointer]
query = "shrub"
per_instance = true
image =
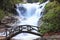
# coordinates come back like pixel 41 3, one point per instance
pixel 8 4
pixel 51 20
pixel 2 14
pixel 48 27
pixel 58 0
pixel 51 5
pixel 52 14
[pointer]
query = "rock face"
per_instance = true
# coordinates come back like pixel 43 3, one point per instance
pixel 10 20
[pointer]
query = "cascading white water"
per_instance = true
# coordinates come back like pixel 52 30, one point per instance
pixel 29 14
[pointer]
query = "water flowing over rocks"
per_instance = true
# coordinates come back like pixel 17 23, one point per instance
pixel 29 17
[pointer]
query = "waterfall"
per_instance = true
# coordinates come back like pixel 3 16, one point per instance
pixel 29 13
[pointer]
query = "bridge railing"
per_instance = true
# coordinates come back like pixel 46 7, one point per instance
pixel 21 28
pixel 13 31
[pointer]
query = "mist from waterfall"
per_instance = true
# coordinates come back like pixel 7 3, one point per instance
pixel 29 14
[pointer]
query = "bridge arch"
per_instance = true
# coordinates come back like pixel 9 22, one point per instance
pixel 13 31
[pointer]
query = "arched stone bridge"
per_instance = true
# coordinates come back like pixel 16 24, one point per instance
pixel 13 31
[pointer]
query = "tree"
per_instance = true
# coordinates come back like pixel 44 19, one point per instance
pixel 7 6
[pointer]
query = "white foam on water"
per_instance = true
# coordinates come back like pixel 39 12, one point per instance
pixel 30 17
pixel 25 36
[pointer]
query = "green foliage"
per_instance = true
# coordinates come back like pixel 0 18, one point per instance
pixel 51 20
pixel 7 6
pixel 35 0
pixel 46 27
pixel 55 0
pixel 41 1
pixel 2 14
pixel 51 0
pixel 51 5
pixel 52 14
pixel 8 3
pixel 58 0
